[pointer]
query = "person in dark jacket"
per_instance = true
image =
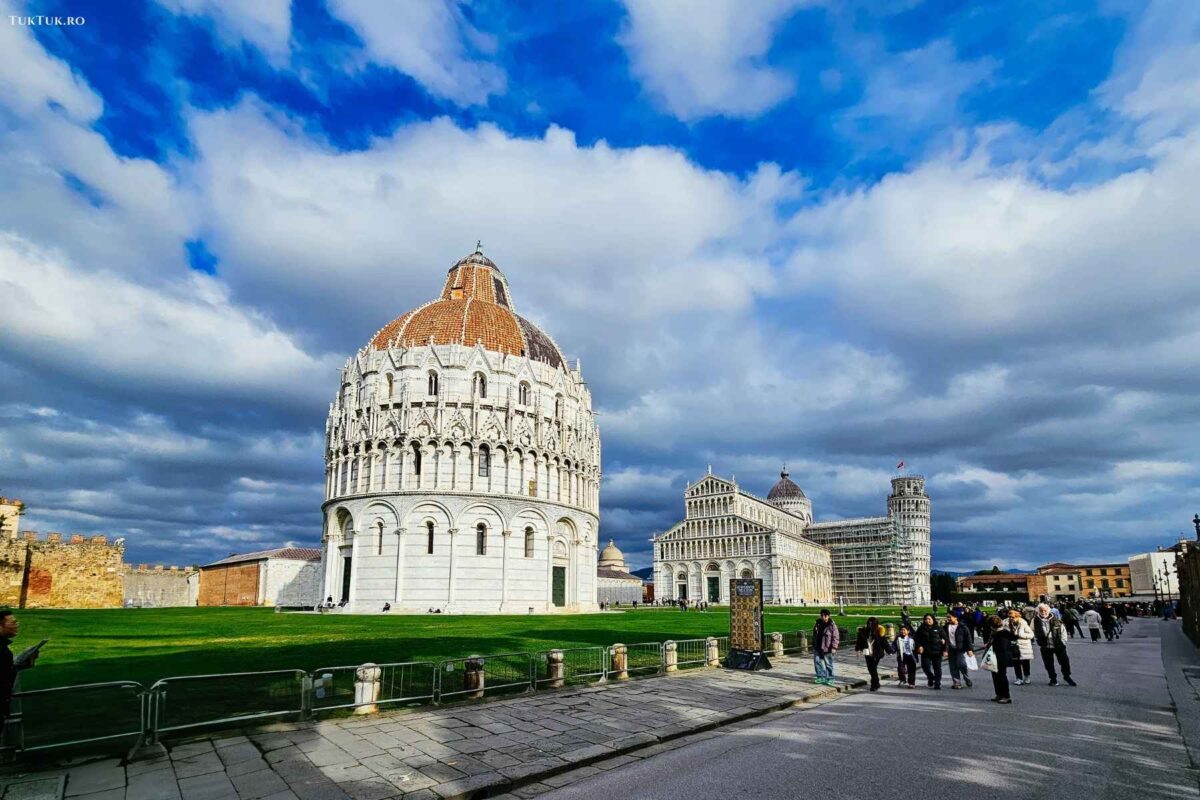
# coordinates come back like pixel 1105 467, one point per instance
pixel 873 644
pixel 1049 634
pixel 9 628
pixel 959 645
pixel 1002 643
pixel 906 619
pixel 825 640
pixel 931 646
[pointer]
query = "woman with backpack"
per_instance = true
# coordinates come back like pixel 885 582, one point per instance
pixel 873 644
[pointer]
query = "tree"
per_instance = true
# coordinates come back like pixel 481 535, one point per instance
pixel 942 586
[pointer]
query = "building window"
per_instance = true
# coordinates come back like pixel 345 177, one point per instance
pixel 1120 583
pixel 1103 572
pixel 429 538
pixel 558 406
pixel 417 460
pixel 481 539
pixel 485 462
pixel 1091 584
pixel 433 383
pixel 379 541
pixel 529 542
pixel 523 394
pixel 391 385
pixel 479 385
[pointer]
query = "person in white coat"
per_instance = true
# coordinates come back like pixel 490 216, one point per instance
pixel 1093 622
pixel 1023 635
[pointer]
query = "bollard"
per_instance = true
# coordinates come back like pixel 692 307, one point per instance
pixel 671 655
pixel 555 669
pixel 775 644
pixel 712 652
pixel 620 661
pixel 802 637
pixel 366 688
pixel 473 680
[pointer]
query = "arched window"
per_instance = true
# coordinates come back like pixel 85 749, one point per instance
pixel 417 460
pixel 391 385
pixel 523 393
pixel 481 539
pixel 558 406
pixel 379 541
pixel 433 383
pixel 529 541
pixel 479 385
pixel 485 461
pixel 429 537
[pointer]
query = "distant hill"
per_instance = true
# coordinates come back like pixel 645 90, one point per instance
pixel 645 573
pixel 985 572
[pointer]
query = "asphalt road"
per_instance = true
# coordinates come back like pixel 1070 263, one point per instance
pixel 1115 736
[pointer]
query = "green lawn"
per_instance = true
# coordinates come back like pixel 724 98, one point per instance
pixel 147 644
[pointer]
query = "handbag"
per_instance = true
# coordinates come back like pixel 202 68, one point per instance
pixel 990 662
pixel 971 662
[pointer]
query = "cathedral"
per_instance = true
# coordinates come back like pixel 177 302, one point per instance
pixel 729 533
pixel 462 463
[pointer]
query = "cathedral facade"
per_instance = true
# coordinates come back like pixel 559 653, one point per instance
pixel 728 533
pixel 462 463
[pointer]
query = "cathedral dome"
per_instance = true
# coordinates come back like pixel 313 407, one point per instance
pixel 475 307
pixel 612 557
pixel 785 489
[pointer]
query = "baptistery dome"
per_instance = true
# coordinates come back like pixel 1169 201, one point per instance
pixel 462 462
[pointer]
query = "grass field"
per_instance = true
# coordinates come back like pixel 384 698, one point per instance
pixel 147 644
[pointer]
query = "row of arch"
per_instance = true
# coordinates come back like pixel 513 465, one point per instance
pixel 734 545
pixel 790 581
pixel 479 389
pixel 461 467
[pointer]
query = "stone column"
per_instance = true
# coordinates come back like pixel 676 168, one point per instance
pixel 802 637
pixel 399 565
pixel 549 572
pixel 554 669
pixel 505 539
pixel 402 456
pixel 671 656
pixel 712 651
pixel 450 582
pixel 775 644
pixel 355 559
pixel 366 688
pixel 619 666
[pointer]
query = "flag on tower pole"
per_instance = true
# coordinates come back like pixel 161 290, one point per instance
pixel 900 465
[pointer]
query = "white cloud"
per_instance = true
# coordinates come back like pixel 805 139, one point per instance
pixel 430 40
pixel 708 60
pixel 266 24
pixel 1150 470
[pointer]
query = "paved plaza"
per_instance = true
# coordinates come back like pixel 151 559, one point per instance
pixel 522 743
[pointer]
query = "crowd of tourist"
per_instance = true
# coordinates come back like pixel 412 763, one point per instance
pixel 1007 638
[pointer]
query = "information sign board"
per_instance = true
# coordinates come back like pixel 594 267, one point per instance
pixel 746 614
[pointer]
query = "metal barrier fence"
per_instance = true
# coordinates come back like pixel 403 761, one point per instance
pixel 479 675
pixel 78 715
pixel 403 682
pixel 642 658
pixel 579 665
pixel 691 653
pixel 195 701
pixel 123 710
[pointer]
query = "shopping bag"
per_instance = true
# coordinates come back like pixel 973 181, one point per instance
pixel 972 662
pixel 990 662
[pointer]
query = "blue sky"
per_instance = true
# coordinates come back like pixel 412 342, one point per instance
pixel 832 234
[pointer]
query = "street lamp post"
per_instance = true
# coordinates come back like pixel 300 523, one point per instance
pixel 1196 522
pixel 1167 583
pixel 1157 596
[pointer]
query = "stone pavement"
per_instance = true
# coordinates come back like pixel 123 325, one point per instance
pixel 519 744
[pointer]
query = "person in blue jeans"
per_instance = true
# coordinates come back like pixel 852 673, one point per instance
pixel 825 641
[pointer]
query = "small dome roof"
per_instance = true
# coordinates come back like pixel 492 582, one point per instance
pixel 786 489
pixel 475 307
pixel 611 556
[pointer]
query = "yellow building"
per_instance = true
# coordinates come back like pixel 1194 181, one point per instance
pixel 1099 581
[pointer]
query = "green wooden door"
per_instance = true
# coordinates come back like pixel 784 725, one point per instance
pixel 559 587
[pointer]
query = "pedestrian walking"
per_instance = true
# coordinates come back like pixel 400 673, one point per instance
pixel 1048 632
pixel 1002 643
pixel 1070 618
pixel 959 645
pixel 826 638
pixel 1093 621
pixel 906 619
pixel 906 658
pixel 873 644
pixel 931 647
pixel 9 667
pixel 1023 634
pixel 1108 621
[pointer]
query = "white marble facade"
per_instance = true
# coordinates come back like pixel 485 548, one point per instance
pixel 462 477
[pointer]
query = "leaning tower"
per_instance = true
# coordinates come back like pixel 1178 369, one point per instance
pixel 909 504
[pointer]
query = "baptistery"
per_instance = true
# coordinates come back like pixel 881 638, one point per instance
pixel 462 463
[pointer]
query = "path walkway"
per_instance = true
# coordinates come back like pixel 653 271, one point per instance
pixel 1116 736
pixel 492 746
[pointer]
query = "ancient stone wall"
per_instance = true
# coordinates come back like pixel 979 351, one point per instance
pixel 230 585
pixel 160 587
pixel 14 555
pixel 79 572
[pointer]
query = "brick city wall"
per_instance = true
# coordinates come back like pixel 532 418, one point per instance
pixel 160 587
pixel 77 572
pixel 231 585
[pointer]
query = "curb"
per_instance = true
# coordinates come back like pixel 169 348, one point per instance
pixel 645 741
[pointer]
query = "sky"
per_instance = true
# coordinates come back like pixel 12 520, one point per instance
pixel 832 234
